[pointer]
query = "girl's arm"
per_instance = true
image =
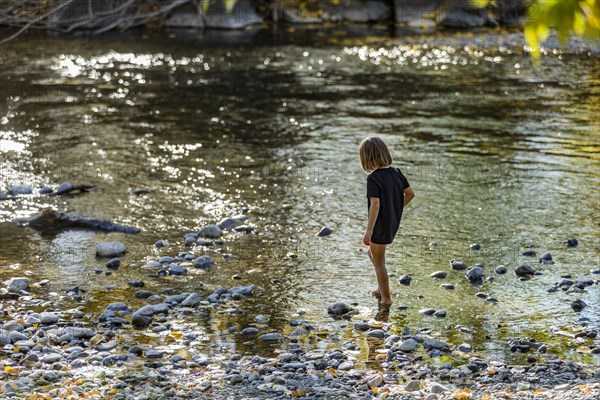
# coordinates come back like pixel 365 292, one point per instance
pixel 373 212
pixel 409 194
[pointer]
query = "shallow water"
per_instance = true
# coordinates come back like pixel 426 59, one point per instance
pixel 498 153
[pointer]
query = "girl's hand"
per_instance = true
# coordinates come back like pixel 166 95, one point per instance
pixel 367 238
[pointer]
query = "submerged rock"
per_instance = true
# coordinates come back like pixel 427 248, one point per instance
pixel 325 232
pixel 458 265
pixel 475 274
pixel 20 190
pixel 572 242
pixel 524 271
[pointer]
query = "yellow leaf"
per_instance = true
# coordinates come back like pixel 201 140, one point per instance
pixel 10 370
pixel 375 390
pixel 332 372
pixel 177 335
pixel 485 397
pixel 299 393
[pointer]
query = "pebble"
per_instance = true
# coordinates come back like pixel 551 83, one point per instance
pixel 405 280
pixel 572 242
pixel 362 326
pixel 249 331
pixel 203 262
pixel 408 346
pixel 375 381
pixel 475 274
pixel 345 366
pixel 438 274
pixel 325 232
pixel 210 231
pixel 458 265
pixel 524 271
pixel 475 246
pixel 500 270
pixel 48 318
pixel 113 263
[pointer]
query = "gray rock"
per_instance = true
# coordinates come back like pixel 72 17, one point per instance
pixel 52 358
pixel 501 269
pixel 118 306
pixel 345 366
pixel 413 386
pixel 232 222
pixel 203 262
pixel 447 286
pixel 435 344
pixel 431 396
pixel 20 189
pixel 545 257
pixel 161 243
pixel 242 290
pixel 48 318
pixel 325 232
pixel 110 249
pixel 427 311
pixel 210 231
pixel 438 274
pixel 458 265
pixel 250 331
pixel 376 333
pixel 440 314
pixel 3 195
pixel 475 274
pixel 113 263
pixel 191 301
pixel 408 345
pixel 437 388
pixel 524 271
pixel 243 14
pixel 362 326
pixel 475 246
pixel 140 320
pixel 583 281
pixel 572 242
pixel 17 284
pixel 465 347
pixel 375 381
pixel 271 336
pixel 177 270
pixel 405 280
pixel 338 308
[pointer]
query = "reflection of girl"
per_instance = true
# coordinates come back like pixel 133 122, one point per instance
pixel 388 191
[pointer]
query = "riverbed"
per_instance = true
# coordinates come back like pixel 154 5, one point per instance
pixel 267 124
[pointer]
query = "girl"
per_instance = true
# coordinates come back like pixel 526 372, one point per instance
pixel 388 192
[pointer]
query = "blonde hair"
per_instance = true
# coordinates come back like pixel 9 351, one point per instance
pixel 374 154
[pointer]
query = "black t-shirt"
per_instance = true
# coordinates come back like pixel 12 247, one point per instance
pixel 388 185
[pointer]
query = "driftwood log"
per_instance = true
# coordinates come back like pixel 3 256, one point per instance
pixel 50 220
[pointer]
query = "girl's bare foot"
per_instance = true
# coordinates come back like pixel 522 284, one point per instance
pixel 376 293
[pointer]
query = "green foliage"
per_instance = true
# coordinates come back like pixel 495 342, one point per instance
pixel 581 17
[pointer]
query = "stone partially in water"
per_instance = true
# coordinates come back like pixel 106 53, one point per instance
pixel 524 271
pixel 325 232
pixel 338 308
pixel 465 347
pixel 110 249
pixel 438 274
pixel 578 305
pixel 405 280
pixel 362 326
pixel 458 265
pixel 475 246
pixel 572 242
pixel 475 274
pixel 500 270
pixel 376 333
pixel 545 258
pixel 440 314
pixel 271 336
pixel 20 190
pixel 210 231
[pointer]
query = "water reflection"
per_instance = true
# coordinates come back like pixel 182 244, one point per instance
pixel 496 152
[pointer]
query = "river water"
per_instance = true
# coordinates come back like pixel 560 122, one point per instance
pixel 268 125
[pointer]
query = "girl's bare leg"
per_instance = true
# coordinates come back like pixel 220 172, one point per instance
pixel 377 252
pixel 375 292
